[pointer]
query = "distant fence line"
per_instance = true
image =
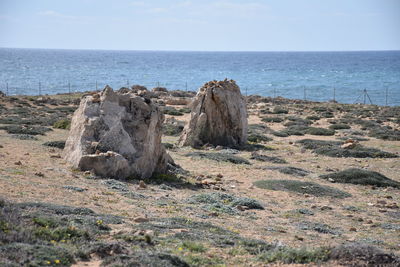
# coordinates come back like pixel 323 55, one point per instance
pixel 383 97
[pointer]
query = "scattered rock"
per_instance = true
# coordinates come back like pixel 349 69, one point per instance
pixel 142 185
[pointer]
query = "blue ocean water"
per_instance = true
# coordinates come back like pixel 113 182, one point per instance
pixel 311 75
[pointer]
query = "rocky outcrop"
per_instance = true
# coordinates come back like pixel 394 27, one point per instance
pixel 218 117
pixel 117 134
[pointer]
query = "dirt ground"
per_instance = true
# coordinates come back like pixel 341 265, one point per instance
pixel 31 172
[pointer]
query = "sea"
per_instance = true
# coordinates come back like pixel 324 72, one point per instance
pixel 346 77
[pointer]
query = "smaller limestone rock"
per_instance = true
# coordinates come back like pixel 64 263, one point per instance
pixel 218 117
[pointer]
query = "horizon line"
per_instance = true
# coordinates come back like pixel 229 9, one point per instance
pixel 205 51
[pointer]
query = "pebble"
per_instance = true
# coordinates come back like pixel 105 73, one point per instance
pixel 39 174
pixel 299 238
pixel 18 163
pixel 142 185
pixel 242 208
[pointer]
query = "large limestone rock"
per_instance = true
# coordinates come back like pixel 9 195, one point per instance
pixel 219 116
pixel 117 134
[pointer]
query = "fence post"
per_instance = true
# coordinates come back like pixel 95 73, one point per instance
pixel 127 83
pixel 246 91
pixel 305 96
pixel 40 88
pixel 96 85
pixel 7 89
pixel 334 94
pixel 365 96
pixel 274 92
pixel 186 86
pixel 158 84
pixel 69 87
pixel 386 96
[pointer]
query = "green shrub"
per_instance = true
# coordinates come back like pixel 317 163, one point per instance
pixel 339 126
pixel 257 138
pixel 279 110
pixel 301 187
pixel 320 131
pixel 172 129
pixel 62 124
pixel 57 144
pixel 293 255
pixel 334 149
pixel 218 157
pixel 361 177
pixel 313 118
pixel 193 246
pixel 25 129
pixel 272 119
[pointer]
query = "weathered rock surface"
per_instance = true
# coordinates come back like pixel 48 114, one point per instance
pixel 117 134
pixel 219 116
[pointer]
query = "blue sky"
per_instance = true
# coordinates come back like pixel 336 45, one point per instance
pixel 227 25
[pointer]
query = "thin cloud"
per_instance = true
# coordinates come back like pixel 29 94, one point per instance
pixel 138 4
pixel 69 18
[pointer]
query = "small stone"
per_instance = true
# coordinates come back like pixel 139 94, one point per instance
pixel 353 229
pixel 39 174
pixel 331 180
pixel 18 163
pixel 219 175
pixel 326 208
pixel 360 219
pixel 242 208
pixel 369 222
pixel 142 185
pixel 87 173
pixel 383 202
pixel 55 156
pixel 299 237
pixel 26 154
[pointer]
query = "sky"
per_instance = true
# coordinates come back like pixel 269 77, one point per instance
pixel 202 25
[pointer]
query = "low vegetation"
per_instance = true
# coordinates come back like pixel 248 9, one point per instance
pixel 302 188
pixel 361 177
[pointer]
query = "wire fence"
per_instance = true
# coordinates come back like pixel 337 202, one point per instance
pixel 384 96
